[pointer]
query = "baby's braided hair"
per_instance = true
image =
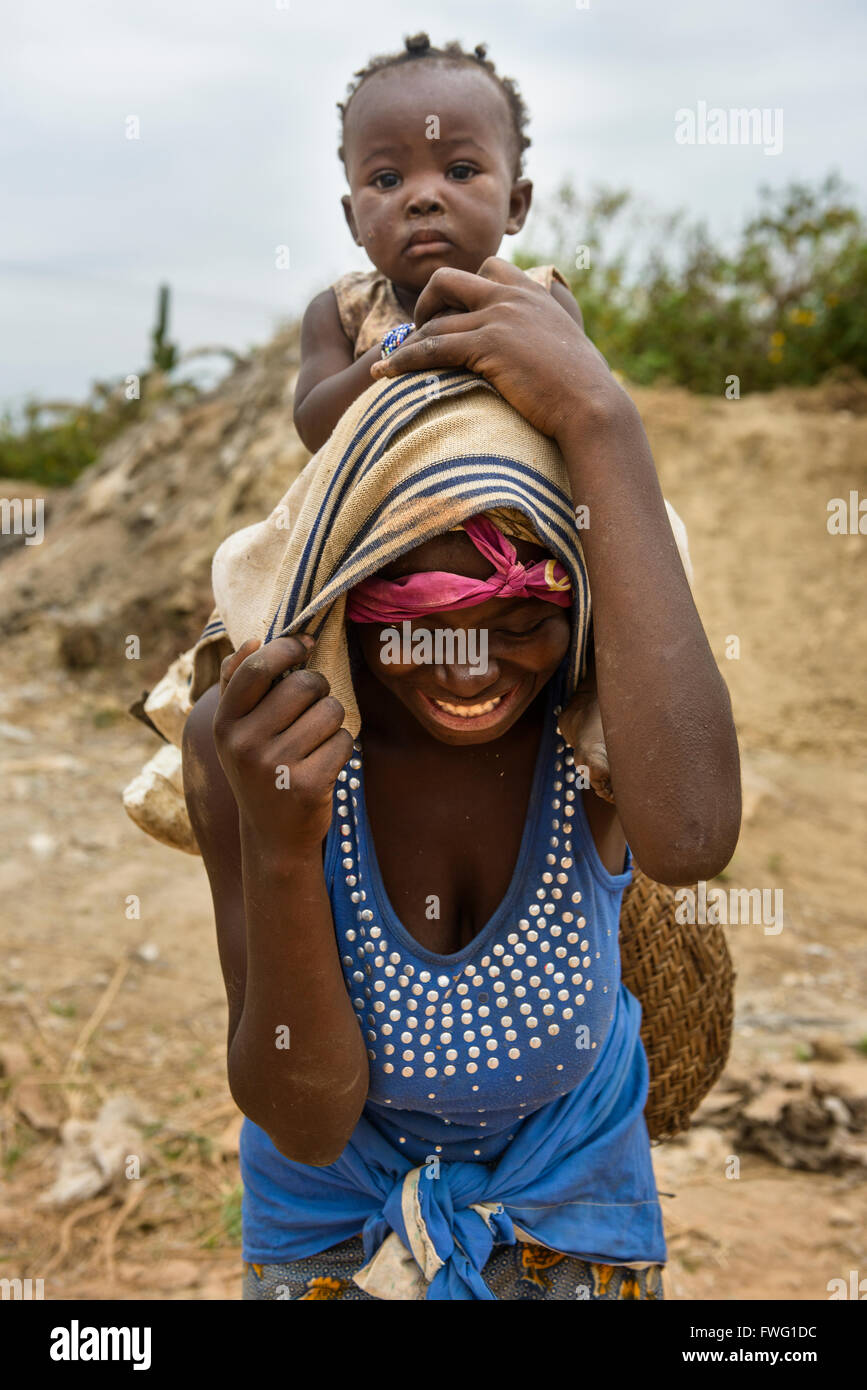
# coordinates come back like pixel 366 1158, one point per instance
pixel 419 46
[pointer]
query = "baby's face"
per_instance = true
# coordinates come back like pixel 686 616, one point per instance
pixel 420 202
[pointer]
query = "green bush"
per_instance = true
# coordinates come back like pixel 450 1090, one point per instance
pixel 784 307
pixel 53 442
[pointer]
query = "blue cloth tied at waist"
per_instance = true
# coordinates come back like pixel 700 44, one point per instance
pixel 448 1215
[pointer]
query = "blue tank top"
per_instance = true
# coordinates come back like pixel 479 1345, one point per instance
pixel 464 1048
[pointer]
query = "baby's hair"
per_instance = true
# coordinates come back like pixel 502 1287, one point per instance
pixel 419 46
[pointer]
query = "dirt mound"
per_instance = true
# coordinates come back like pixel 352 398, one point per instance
pixel 781 598
pixel 128 547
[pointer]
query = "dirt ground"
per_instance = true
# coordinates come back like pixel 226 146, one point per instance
pixel 109 979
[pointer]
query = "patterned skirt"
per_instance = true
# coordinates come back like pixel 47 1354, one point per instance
pixel 520 1271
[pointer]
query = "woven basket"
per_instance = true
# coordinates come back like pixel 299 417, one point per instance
pixel 682 976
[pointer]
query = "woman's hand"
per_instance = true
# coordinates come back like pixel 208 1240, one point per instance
pixel 281 744
pixel 510 330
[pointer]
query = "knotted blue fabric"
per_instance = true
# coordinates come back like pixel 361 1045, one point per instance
pixel 546 1183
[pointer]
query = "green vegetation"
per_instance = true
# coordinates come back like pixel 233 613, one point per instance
pixel 164 354
pixel 231 1214
pixel 784 307
pixel 63 1010
pixel 57 440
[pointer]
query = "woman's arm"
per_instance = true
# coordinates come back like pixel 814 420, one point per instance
pixel 329 381
pixel 666 712
pixel 297 1064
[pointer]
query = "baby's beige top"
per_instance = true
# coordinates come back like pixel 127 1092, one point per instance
pixel 368 306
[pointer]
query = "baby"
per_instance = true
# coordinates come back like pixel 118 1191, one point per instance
pixel 433 143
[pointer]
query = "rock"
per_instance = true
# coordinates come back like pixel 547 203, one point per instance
pixel 146 515
pixel 846 1079
pixel 829 1049
pixel 34 1103
pixel 808 1117
pixel 838 1110
pixel 105 495
pixel 766 1107
pixel 841 1217
pixel 93 1153
pixel 44 846
pixel 80 646
pixel 817 1125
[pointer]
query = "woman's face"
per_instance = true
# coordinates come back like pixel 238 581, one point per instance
pixel 463 701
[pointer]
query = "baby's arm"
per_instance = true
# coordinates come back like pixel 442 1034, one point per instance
pixel 329 380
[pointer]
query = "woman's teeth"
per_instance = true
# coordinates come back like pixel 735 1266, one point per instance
pixel 470 711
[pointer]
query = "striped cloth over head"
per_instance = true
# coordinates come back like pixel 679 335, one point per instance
pixel 412 458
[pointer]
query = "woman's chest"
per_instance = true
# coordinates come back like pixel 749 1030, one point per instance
pixel 447 846
pixel 512 1019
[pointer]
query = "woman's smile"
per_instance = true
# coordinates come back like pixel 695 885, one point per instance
pixel 476 714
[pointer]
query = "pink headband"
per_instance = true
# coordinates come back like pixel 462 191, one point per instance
pixel 391 600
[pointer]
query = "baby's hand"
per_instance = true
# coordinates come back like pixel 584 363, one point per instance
pixel 581 726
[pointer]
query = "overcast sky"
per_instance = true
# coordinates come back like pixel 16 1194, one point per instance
pixel 238 136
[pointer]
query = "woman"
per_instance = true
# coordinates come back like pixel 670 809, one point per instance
pixel 382 1000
